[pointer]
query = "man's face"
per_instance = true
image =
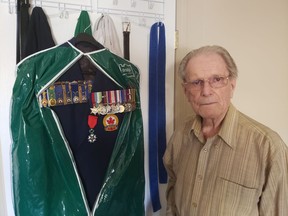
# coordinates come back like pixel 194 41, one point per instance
pixel 206 101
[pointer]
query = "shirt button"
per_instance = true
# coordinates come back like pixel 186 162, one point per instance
pixel 194 205
pixel 205 150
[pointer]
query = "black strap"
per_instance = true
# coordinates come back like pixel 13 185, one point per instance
pixel 126 39
pixel 22 26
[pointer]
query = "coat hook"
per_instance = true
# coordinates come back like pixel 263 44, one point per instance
pixel 142 20
pixel 150 4
pixel 61 15
pixel 66 14
pixel 11 9
pixel 133 3
pixel 125 18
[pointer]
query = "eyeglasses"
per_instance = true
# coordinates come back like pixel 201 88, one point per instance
pixel 214 82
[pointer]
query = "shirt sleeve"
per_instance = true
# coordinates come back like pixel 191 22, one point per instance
pixel 274 198
pixel 168 163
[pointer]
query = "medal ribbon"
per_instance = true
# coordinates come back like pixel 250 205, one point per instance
pixel 123 95
pixel 75 92
pixel 112 97
pixel 59 94
pixel 68 93
pixel 128 95
pixel 93 99
pixel 118 97
pixel 123 100
pixel 63 93
pixel 96 98
pixel 92 121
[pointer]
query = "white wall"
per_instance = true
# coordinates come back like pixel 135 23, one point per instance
pixel 3 208
pixel 63 29
pixel 256 35
pixel 7 66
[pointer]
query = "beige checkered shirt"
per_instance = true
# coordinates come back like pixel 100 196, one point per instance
pixel 243 171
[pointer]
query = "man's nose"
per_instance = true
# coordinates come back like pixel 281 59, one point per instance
pixel 206 88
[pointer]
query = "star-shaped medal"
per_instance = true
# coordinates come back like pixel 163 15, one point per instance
pixel 94 110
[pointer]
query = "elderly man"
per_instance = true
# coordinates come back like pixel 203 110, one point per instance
pixel 221 162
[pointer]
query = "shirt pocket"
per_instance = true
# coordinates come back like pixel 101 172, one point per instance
pixel 234 199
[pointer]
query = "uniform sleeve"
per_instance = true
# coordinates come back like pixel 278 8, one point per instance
pixel 274 198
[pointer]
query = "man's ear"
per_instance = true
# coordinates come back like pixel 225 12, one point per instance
pixel 184 89
pixel 233 86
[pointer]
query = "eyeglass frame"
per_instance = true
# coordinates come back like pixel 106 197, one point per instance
pixel 199 86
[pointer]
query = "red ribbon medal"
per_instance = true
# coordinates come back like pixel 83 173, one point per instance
pixel 92 122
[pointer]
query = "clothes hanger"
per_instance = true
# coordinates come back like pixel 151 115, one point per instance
pixel 87 43
pixel 87 38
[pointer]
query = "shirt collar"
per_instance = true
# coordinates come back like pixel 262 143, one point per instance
pixel 196 128
pixel 228 128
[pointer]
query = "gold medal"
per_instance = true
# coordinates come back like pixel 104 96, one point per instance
pixel 44 102
pixel 52 102
pixel 44 99
pixel 121 108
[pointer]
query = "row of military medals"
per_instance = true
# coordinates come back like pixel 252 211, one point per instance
pixel 65 93
pixel 109 103
pixel 104 103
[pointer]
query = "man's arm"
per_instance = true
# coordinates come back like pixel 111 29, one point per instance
pixel 274 198
pixel 170 195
